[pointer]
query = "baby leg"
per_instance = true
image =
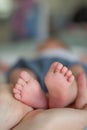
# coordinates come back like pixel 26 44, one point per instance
pixel 81 79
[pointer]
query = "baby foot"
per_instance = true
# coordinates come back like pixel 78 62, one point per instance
pixel 81 100
pixel 28 91
pixel 58 81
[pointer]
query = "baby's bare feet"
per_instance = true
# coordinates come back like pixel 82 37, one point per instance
pixel 28 91
pixel 58 81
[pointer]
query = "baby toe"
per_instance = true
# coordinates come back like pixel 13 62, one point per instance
pixel 53 66
pixel 68 73
pixel 18 87
pixel 21 81
pixel 25 76
pixel 71 78
pixel 58 67
pixel 16 91
pixel 64 70
pixel 17 96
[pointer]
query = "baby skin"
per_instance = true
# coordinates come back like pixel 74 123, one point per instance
pixel 61 85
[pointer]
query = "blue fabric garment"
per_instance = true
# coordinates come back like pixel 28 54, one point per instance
pixel 40 67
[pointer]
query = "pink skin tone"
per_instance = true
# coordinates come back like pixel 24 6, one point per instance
pixel 81 101
pixel 17 110
pixel 27 88
pixel 59 81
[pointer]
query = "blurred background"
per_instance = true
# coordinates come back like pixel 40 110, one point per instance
pixel 26 23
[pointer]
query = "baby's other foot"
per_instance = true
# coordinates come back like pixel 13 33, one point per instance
pixel 59 81
pixel 28 91
pixel 81 100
